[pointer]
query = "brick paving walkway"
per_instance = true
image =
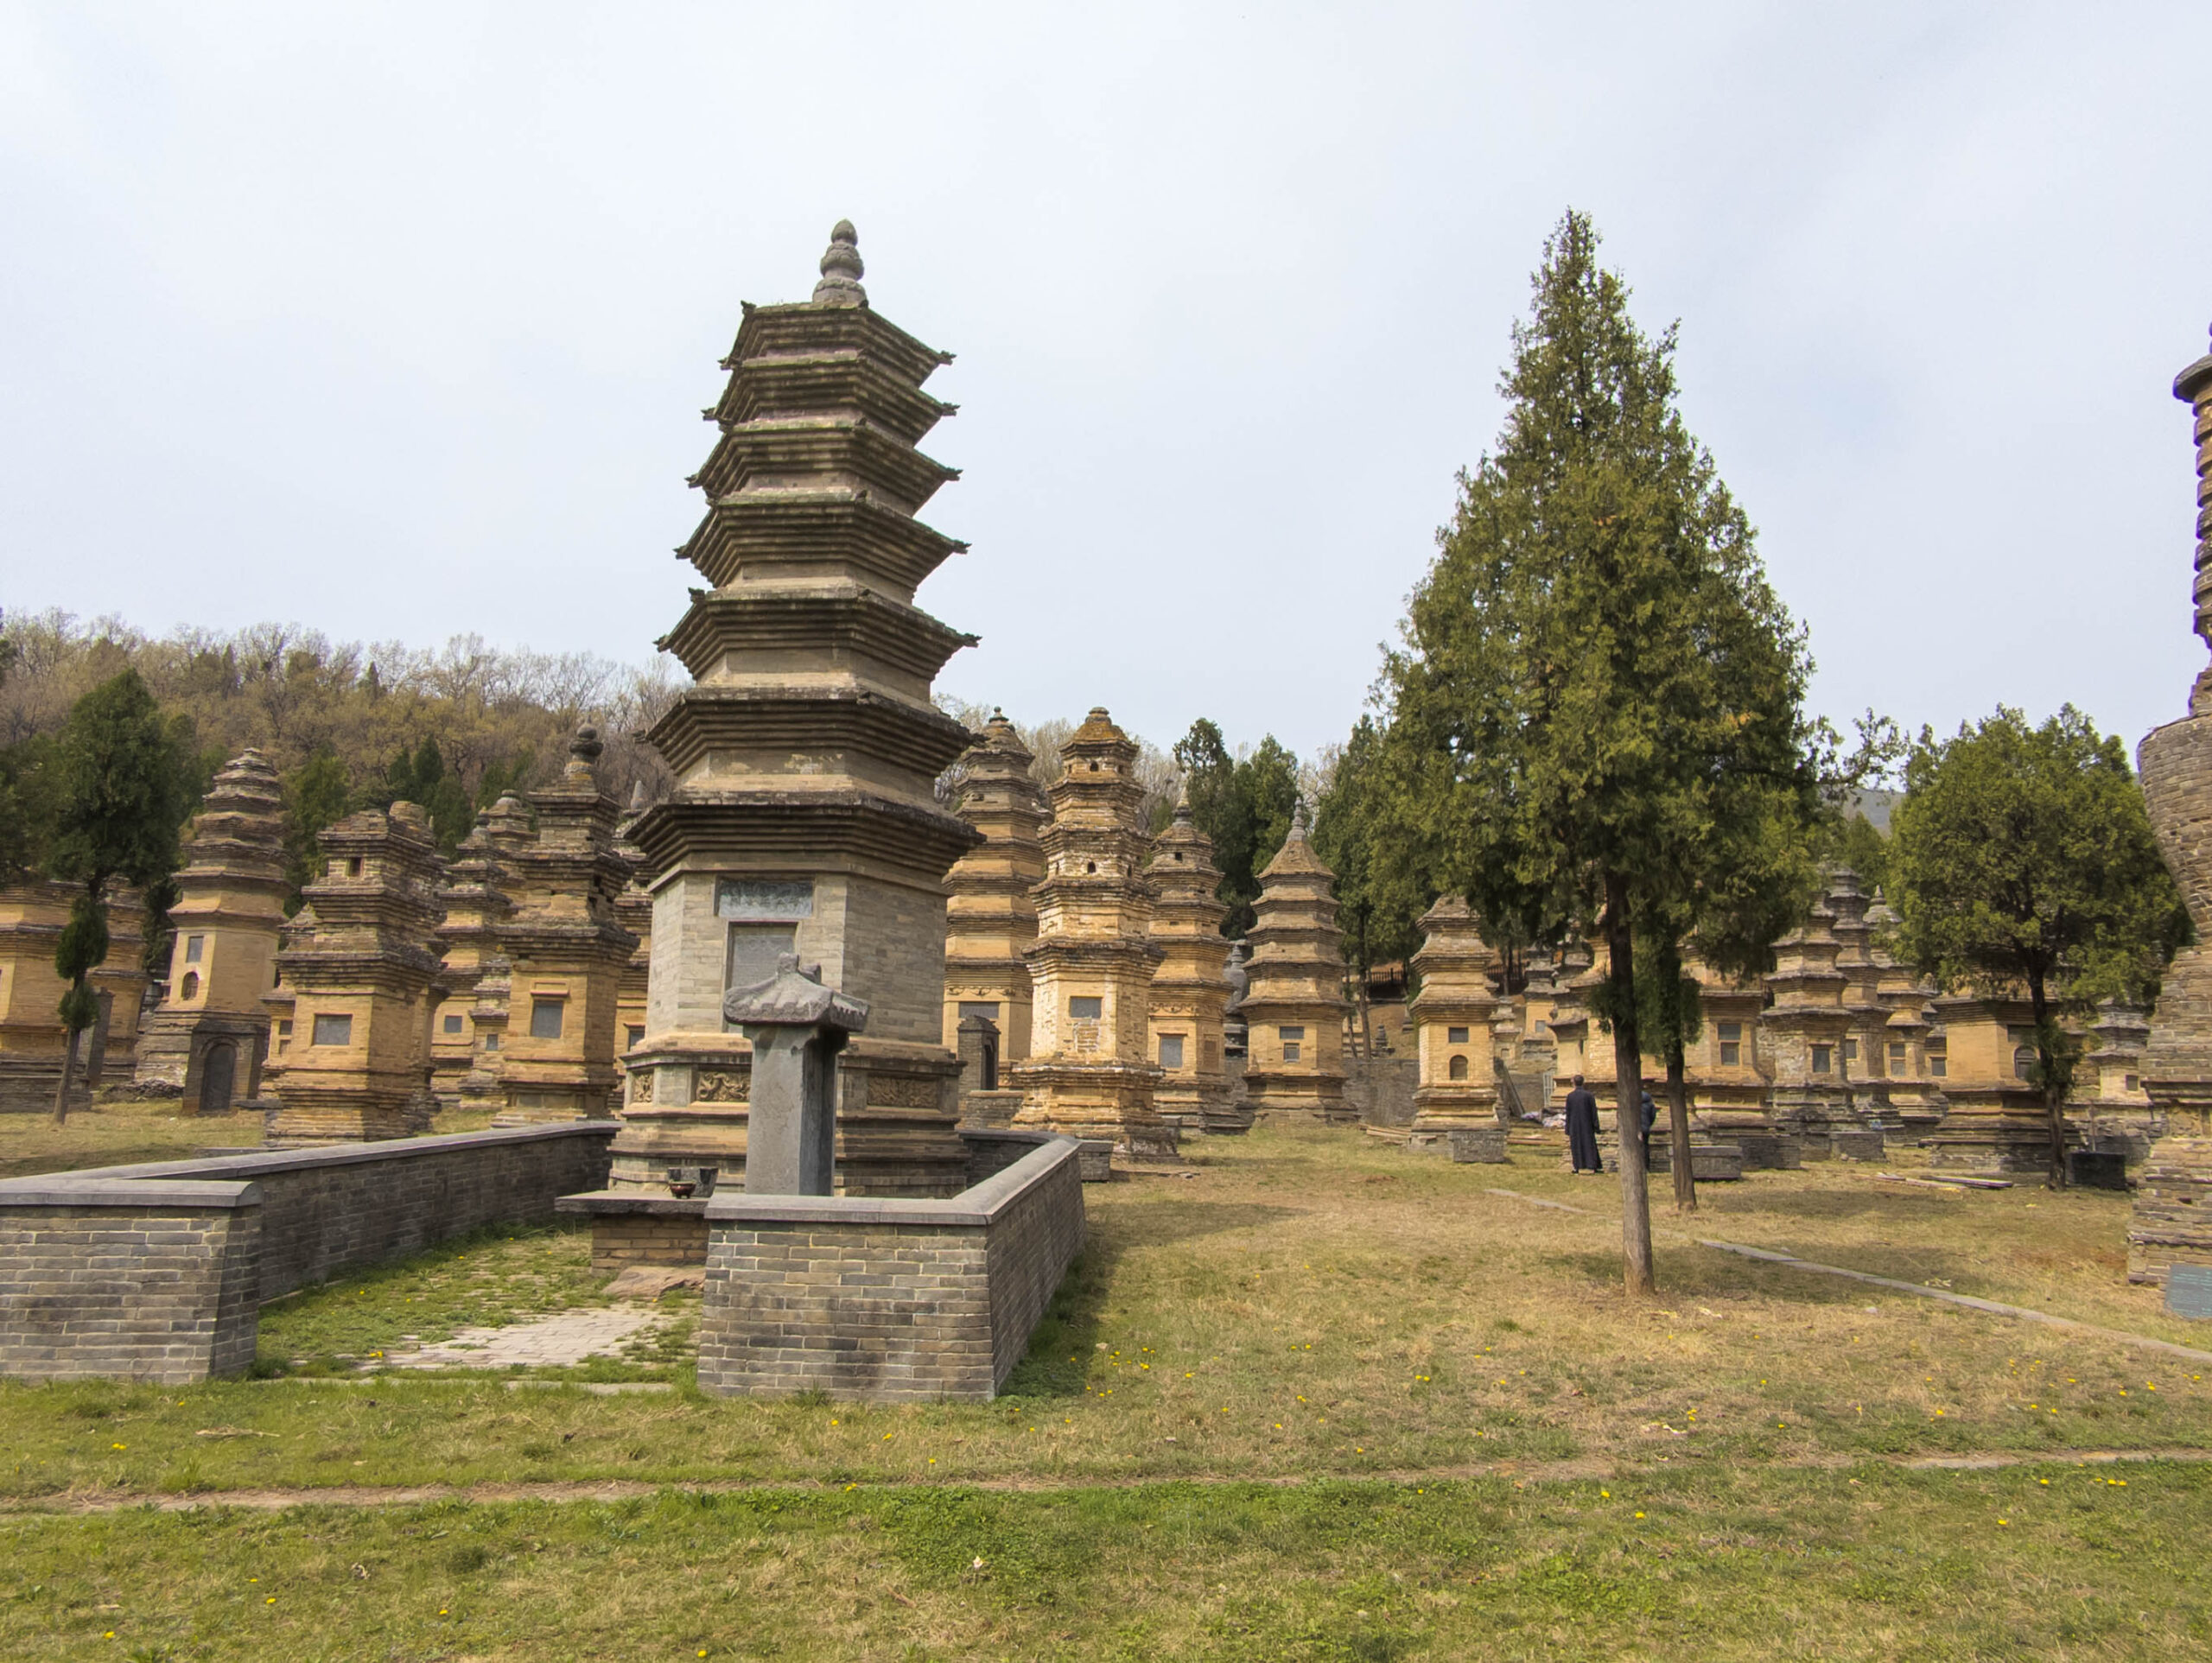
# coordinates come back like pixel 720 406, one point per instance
pixel 557 1342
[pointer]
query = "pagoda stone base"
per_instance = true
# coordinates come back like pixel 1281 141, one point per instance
pixel 2172 1222
pixel 1315 1096
pixel 329 1119
pixel 1109 1102
pixel 1231 1118
pixel 990 1108
pixel 896 1118
pixel 1994 1132
pixel 173 1052
pixel 1193 1108
pixel 1440 1111
pixel 1710 1163
pixel 532 1104
pixel 1764 1146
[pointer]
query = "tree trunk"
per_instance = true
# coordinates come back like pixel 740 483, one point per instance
pixel 2054 1089
pixel 1678 1131
pixel 68 1079
pixel 1628 1092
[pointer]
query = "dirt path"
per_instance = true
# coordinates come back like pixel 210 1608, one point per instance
pixel 1522 1473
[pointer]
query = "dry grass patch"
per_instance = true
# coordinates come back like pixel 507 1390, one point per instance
pixel 1277 1316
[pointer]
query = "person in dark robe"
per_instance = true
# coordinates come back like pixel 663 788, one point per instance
pixel 1651 1118
pixel 1582 1128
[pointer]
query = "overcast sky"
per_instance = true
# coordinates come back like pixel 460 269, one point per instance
pixel 395 321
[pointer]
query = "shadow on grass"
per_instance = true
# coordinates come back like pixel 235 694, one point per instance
pixel 1060 1350
pixel 1706 1273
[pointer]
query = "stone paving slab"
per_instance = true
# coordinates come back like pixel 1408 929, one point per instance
pixel 557 1342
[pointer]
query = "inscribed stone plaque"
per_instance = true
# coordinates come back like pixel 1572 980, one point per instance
pixel 765 901
pixel 2188 1290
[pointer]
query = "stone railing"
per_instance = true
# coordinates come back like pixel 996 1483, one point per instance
pixel 883 1299
pixel 158 1271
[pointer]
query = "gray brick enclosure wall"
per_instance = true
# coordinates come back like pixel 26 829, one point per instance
pixel 158 1271
pixel 888 1299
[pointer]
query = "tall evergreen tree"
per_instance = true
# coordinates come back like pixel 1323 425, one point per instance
pixel 316 796
pixel 2023 858
pixel 1379 899
pixel 1598 688
pixel 121 794
pixel 1244 805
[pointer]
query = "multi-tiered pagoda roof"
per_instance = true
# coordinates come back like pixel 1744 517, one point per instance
pixel 811 708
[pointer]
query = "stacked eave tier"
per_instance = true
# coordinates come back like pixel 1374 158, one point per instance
pixel 778 828
pixel 782 623
pixel 834 452
pixel 759 731
pixel 815 533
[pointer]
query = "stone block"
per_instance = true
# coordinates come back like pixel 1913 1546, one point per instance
pixel 1475 1142
pixel 1865 1145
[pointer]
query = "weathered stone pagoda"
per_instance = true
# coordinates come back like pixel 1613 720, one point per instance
pixel 2173 1206
pixel 1456 1010
pixel 566 951
pixel 990 914
pixel 1295 1009
pixel 1996 1120
pixel 210 1036
pixel 1191 992
pixel 1089 1073
pixel 1912 1100
pixel 804 819
pixel 359 962
pixel 1801 1033
pixel 471 967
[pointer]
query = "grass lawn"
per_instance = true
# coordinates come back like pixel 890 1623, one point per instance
pixel 116 1134
pixel 1322 1378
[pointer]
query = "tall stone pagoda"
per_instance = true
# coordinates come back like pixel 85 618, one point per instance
pixel 1089 1072
pixel 804 818
pixel 567 952
pixel 210 1036
pixel 1456 1010
pixel 990 915
pixel 1190 994
pixel 359 962
pixel 1296 1007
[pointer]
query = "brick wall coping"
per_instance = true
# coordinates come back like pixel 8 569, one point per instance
pixel 59 1190
pixel 335 1154
pixel 616 1204
pixel 971 1208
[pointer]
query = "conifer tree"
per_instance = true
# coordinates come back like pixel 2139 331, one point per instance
pixel 1599 695
pixel 121 792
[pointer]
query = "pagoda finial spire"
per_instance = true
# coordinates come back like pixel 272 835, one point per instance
pixel 842 269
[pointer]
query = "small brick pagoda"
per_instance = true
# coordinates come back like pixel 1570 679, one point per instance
pixel 1190 994
pixel 1295 1010
pixel 472 968
pixel 566 951
pixel 1456 1010
pixel 804 818
pixel 210 1037
pixel 1089 1072
pixel 359 962
pixel 991 913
